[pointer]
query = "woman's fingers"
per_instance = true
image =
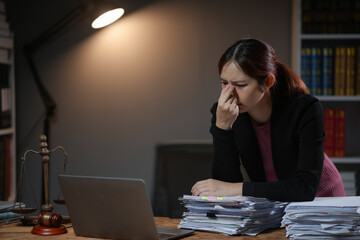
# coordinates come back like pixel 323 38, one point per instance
pixel 227 110
pixel 200 187
pixel 214 187
pixel 225 94
pixel 199 191
pixel 234 101
pixel 204 188
pixel 229 107
pixel 227 98
pixel 234 106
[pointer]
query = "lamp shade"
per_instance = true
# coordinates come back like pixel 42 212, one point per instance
pixel 107 17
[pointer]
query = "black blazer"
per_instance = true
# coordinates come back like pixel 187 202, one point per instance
pixel 297 135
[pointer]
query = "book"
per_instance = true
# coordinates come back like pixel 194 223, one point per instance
pixel 4 29
pixel 4 25
pixel 340 73
pixel 350 71
pixel 9 215
pixel 305 66
pixel 5 97
pixel 6 215
pixel 8 171
pixel 2 17
pixel 330 17
pixel 2 7
pixel 339 119
pixel 329 128
pixel 315 70
pixel 6 42
pixel 327 70
pixel 336 70
pixel 357 79
pixel 4 55
pixel 2 168
pixel 334 127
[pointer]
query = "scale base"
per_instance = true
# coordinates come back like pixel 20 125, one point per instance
pixel 47 231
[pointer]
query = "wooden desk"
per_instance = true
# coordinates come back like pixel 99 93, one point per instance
pixel 16 231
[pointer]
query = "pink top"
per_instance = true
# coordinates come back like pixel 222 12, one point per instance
pixel 264 139
pixel 331 184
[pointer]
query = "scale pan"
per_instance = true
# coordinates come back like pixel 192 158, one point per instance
pixel 23 210
pixel 59 201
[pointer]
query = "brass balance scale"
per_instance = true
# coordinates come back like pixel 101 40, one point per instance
pixel 47 222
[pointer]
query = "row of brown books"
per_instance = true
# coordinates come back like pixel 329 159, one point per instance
pixel 334 126
pixel 330 16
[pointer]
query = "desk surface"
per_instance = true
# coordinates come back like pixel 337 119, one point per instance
pixel 16 231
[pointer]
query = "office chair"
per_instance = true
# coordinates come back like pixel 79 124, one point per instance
pixel 178 166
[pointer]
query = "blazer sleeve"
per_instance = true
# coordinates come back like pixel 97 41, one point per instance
pixel 226 165
pixel 304 184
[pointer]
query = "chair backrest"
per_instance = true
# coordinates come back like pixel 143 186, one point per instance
pixel 179 165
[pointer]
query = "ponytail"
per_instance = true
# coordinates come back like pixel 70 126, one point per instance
pixel 287 82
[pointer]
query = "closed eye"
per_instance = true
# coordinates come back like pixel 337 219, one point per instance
pixel 240 85
pixel 237 85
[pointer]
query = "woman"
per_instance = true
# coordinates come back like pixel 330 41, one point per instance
pixel 267 131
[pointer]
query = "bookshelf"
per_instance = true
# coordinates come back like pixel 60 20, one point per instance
pixel 331 24
pixel 7 117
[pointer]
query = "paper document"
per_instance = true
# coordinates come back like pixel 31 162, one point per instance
pixel 6 215
pixel 323 218
pixel 231 215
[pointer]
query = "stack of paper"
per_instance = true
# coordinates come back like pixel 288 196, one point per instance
pixel 231 215
pixel 6 215
pixel 324 218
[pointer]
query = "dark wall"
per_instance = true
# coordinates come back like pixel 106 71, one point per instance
pixel 149 78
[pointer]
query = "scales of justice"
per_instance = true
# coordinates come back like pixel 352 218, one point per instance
pixel 47 222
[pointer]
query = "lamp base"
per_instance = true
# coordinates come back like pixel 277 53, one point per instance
pixel 47 231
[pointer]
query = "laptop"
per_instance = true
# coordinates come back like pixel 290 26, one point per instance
pixel 115 208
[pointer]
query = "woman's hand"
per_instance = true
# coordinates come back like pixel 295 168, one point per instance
pixel 227 109
pixel 212 187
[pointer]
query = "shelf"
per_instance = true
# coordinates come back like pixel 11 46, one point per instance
pixel 339 98
pixel 6 131
pixel 7 62
pixel 8 135
pixel 6 42
pixel 330 36
pixel 345 160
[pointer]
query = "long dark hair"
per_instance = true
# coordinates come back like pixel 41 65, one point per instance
pixel 257 59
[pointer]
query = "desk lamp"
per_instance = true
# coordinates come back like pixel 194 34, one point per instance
pixel 106 12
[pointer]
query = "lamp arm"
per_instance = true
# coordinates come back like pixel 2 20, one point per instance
pixel 48 101
pixel 30 49
pixel 58 27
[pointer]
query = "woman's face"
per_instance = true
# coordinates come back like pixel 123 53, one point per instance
pixel 246 89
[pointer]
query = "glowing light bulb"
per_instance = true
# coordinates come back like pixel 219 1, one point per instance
pixel 107 18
